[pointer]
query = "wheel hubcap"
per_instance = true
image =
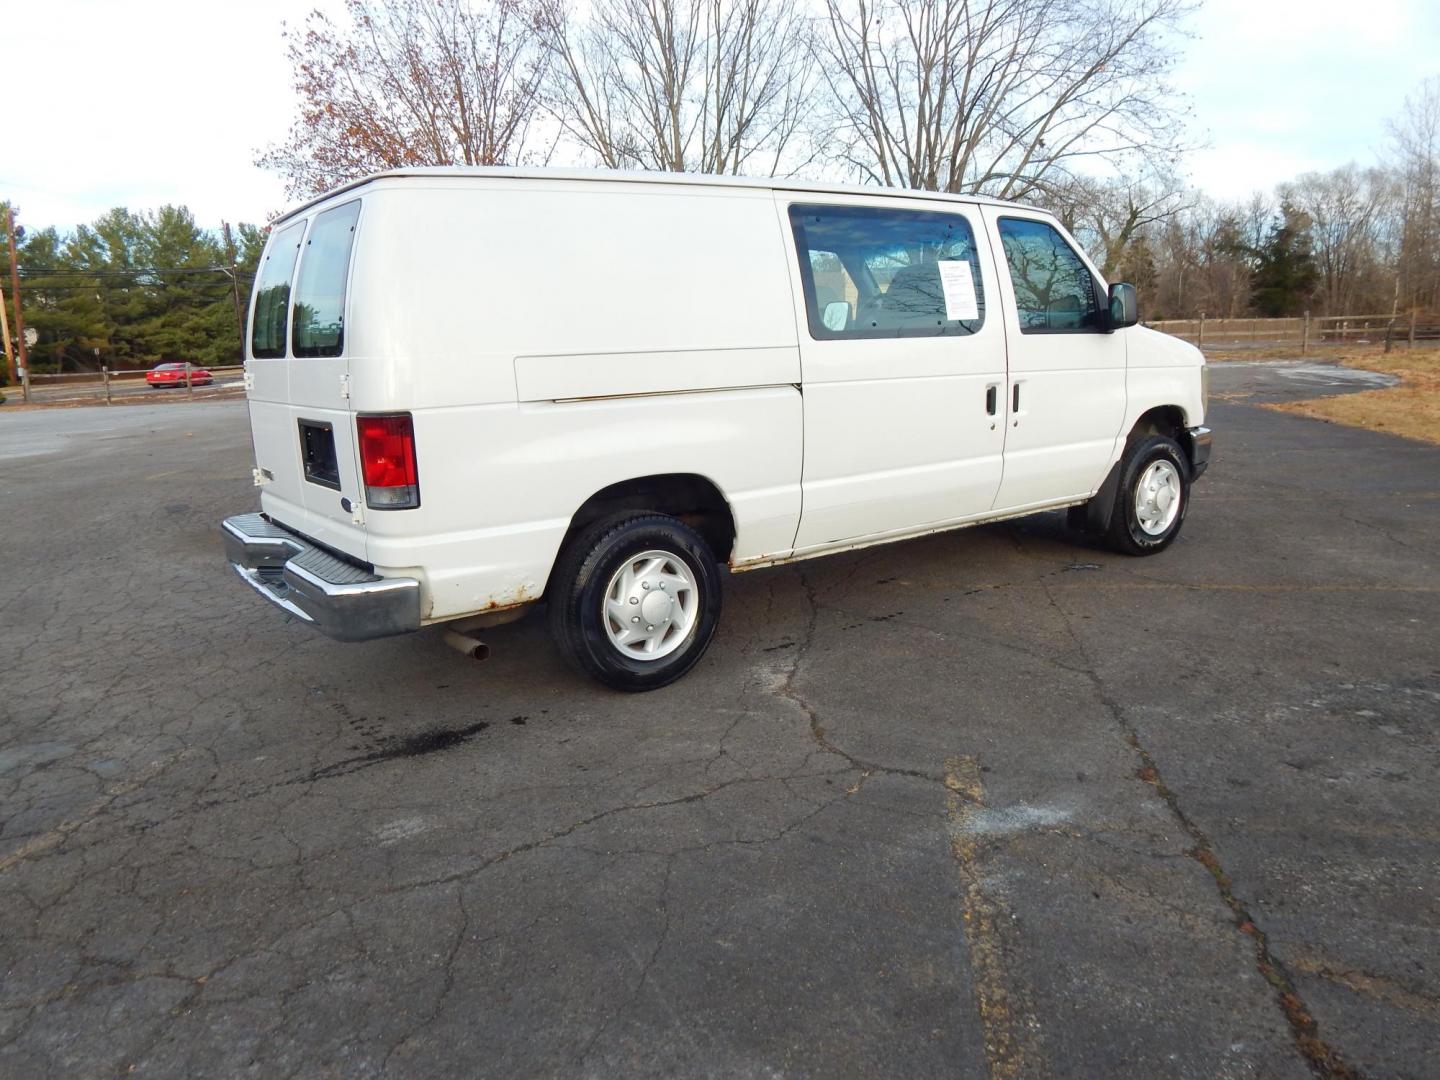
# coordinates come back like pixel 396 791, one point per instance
pixel 650 605
pixel 1157 497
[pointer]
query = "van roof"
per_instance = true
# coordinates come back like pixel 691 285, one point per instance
pixel 632 176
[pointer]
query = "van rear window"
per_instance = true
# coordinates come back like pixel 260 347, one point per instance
pixel 319 327
pixel 272 295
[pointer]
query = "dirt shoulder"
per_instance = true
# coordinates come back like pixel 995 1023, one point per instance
pixel 1411 408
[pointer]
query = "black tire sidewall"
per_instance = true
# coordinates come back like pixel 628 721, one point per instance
pixel 580 628
pixel 1125 527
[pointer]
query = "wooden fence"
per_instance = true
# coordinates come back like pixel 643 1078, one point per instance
pixel 1304 331
pixel 106 385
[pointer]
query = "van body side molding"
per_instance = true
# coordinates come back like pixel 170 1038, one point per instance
pixel 583 376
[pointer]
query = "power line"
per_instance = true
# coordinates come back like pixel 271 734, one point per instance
pixel 36 272
pixel 38 286
pixel 40 289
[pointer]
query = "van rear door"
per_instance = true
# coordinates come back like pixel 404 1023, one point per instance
pixel 300 411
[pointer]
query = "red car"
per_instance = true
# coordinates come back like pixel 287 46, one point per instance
pixel 174 375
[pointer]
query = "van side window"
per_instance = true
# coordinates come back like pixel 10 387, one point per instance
pixel 1054 289
pixel 873 272
pixel 272 297
pixel 320 293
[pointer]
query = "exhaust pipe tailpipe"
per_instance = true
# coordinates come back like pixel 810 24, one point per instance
pixel 464 643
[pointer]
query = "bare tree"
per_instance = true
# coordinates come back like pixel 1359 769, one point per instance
pixel 1371 235
pixel 1201 258
pixel 711 86
pixel 1115 217
pixel 1004 97
pixel 1347 209
pixel 1415 138
pixel 409 82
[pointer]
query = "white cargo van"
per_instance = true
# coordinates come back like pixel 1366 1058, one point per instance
pixel 474 389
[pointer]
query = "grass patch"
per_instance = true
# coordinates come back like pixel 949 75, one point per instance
pixel 1411 409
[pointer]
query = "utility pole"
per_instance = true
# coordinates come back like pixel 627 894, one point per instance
pixel 5 333
pixel 235 286
pixel 19 315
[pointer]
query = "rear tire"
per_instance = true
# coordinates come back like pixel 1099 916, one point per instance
pixel 634 600
pixel 1152 497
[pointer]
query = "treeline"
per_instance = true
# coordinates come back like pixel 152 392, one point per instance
pixel 1351 241
pixel 1007 97
pixel 134 289
pixel 1020 99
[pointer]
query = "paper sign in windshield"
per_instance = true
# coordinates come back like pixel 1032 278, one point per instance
pixel 959 286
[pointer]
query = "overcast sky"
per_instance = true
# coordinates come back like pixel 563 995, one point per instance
pixel 142 102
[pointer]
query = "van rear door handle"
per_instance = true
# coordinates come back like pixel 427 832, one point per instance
pixel 1015 398
pixel 990 398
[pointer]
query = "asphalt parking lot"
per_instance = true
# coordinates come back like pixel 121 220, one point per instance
pixel 993 803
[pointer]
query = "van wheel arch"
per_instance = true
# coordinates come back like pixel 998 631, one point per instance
pixel 692 498
pixel 1167 420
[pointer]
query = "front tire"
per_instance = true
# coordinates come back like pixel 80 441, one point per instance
pixel 634 601
pixel 1152 498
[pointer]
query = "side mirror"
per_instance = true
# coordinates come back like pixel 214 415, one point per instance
pixel 836 315
pixel 1124 306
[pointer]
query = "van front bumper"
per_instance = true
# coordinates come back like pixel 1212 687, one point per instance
pixel 1197 441
pixel 338 597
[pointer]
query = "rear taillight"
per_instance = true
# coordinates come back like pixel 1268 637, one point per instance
pixel 387 462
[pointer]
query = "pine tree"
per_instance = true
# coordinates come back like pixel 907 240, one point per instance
pixel 1285 274
pixel 132 290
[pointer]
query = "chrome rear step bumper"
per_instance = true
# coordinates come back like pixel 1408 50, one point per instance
pixel 339 598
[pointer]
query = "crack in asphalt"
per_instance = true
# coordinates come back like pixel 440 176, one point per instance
pixel 1322 1058
pixel 639 987
pixel 99 909
pixel 791 692
pixel 1012 1034
pixel 1376 987
pixel 561 833
pixel 448 968
pixel 57 836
